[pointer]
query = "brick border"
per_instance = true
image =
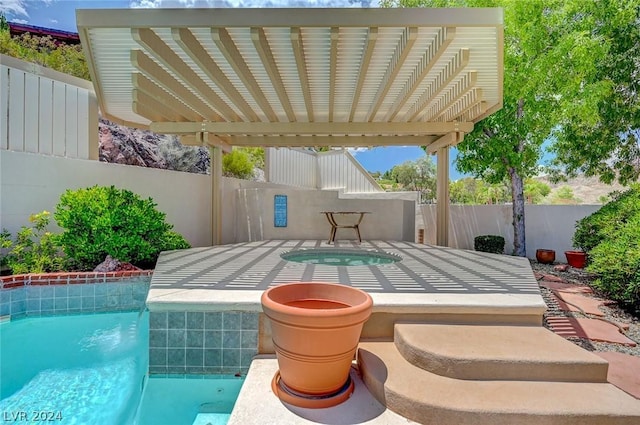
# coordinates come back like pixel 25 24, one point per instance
pixel 69 278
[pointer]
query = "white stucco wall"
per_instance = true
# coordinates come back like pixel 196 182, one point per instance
pixel 547 226
pixel 30 183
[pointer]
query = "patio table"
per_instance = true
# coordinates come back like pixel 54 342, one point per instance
pixel 335 225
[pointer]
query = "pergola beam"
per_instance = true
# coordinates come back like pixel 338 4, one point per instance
pixel 462 87
pixel 143 84
pixel 161 77
pixel 228 48
pixel 333 65
pixel 198 54
pixel 261 44
pixel 163 53
pixel 313 128
pixel 297 44
pixel 322 141
pixel 450 139
pixel 456 65
pixel 364 67
pixel 429 59
pixel 142 98
pixel 403 48
pixel 205 139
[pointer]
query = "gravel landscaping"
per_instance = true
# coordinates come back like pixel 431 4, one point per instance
pixel 611 311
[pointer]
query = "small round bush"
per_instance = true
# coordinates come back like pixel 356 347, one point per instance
pixel 489 243
pixel 100 221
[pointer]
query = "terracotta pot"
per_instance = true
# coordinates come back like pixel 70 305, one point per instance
pixel 545 256
pixel 315 329
pixel 577 259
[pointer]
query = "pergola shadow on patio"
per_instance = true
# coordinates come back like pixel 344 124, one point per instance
pixel 429 283
pixel 299 77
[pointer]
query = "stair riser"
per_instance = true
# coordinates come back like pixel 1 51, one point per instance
pixel 475 369
pixel 431 415
pixel 381 325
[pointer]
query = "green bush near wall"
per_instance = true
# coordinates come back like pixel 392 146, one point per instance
pixel 100 221
pixel 489 243
pixel 611 239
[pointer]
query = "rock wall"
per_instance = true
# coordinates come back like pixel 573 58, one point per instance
pixel 131 146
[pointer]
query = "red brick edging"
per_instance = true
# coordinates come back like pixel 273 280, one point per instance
pixel 69 278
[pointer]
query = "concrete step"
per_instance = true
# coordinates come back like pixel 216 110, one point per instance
pixel 433 399
pixel 524 353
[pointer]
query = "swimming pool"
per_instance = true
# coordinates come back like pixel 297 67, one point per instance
pixel 91 369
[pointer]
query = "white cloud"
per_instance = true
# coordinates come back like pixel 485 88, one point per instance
pixel 14 7
pixel 355 151
pixel 53 21
pixel 250 3
pixel 19 21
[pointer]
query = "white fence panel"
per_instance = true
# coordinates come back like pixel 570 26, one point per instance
pixel 4 107
pixel 339 170
pixel 45 111
pixel 292 167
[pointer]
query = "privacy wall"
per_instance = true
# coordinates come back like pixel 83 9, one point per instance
pixel 45 111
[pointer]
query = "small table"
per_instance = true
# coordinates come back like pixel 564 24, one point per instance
pixel 335 225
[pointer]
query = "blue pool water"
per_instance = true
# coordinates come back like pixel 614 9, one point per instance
pixel 90 369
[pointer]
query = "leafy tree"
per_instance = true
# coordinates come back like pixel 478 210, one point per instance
pixel 535 191
pixel 551 77
pixel 4 25
pixel 606 142
pixel 417 175
pixel 564 195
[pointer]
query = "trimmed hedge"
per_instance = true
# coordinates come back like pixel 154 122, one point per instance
pixel 489 243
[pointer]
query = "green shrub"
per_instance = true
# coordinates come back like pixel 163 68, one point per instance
pixel 594 229
pixel 611 237
pixel 489 243
pixel 35 249
pixel 237 164
pixel 100 221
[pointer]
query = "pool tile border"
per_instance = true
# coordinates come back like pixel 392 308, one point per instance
pixel 72 292
pixel 69 278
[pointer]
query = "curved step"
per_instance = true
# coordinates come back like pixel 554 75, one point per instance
pixel 437 400
pixel 526 353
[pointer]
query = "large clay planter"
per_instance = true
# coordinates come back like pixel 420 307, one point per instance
pixel 315 329
pixel 577 259
pixel 545 256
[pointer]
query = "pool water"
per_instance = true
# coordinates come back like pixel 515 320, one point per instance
pixel 340 257
pixel 91 369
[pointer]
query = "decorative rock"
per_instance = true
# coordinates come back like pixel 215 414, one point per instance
pixel 552 278
pixel 538 276
pixel 561 268
pixel 111 264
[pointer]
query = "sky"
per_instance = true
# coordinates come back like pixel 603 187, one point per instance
pixel 60 14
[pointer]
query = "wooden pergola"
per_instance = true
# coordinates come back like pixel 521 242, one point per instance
pixel 299 77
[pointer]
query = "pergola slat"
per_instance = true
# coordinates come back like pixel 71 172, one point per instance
pixel 161 77
pixel 144 84
pixel 163 53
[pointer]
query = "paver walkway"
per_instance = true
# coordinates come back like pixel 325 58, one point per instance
pixel 624 369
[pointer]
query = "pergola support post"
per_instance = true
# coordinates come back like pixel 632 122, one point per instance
pixel 216 195
pixel 442 197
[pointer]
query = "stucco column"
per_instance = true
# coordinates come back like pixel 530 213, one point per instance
pixel 216 195
pixel 442 197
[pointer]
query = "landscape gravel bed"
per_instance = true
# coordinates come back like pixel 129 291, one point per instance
pixel 611 311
